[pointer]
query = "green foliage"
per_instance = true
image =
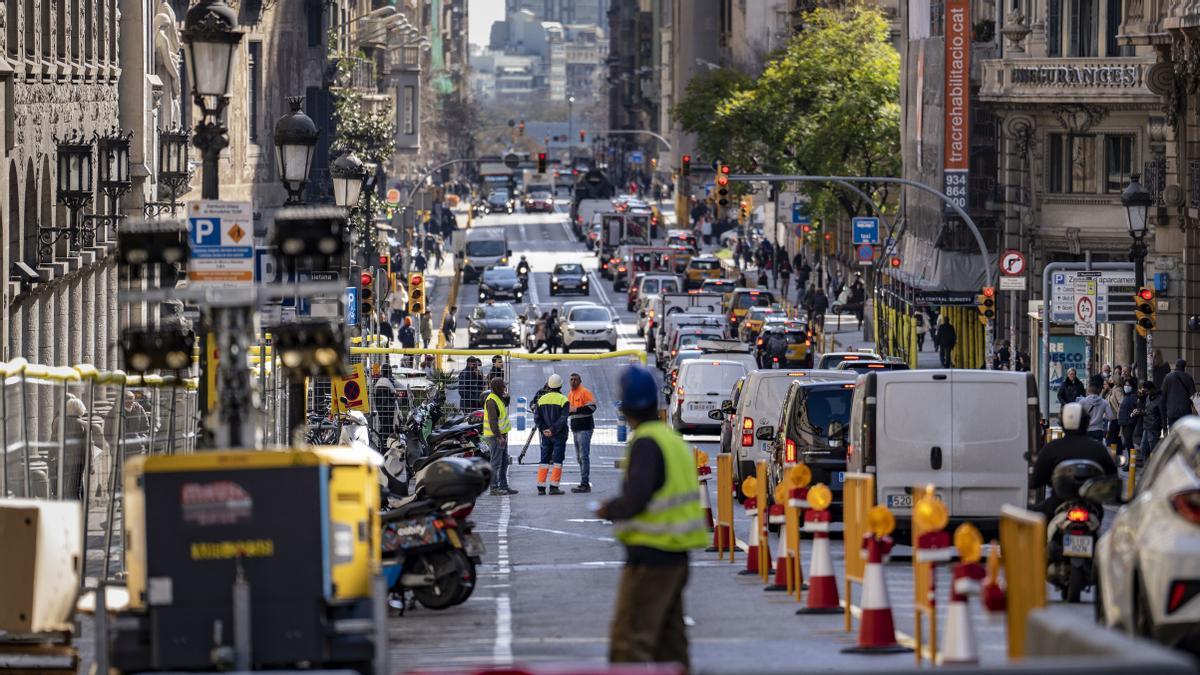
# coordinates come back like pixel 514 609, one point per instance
pixel 825 105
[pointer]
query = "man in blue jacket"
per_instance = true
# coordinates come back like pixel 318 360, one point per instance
pixel 553 411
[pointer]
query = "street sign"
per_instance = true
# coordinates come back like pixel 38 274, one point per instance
pixel 221 235
pixel 393 196
pixel 865 253
pixel 799 215
pixel 1012 283
pixel 865 229
pixel 512 161
pixel 1085 306
pixel 1114 295
pixel 636 157
pixel 1012 263
pixel 353 388
pixel 351 305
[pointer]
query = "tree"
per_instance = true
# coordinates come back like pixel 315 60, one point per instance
pixel 697 112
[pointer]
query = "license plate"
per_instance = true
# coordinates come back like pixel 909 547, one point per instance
pixel 838 479
pixel 765 447
pixel 899 501
pixel 1077 546
pixel 473 545
pixel 700 405
pixel 494 336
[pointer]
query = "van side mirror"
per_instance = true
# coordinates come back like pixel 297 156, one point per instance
pixel 716 415
pixel 765 433
pixel 1106 490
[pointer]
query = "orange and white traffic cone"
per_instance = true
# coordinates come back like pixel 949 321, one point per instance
pixel 876 630
pixel 822 585
pixel 751 506
pixel 959 646
pixel 705 473
pixel 777 517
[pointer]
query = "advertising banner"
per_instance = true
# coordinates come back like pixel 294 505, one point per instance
pixel 956 139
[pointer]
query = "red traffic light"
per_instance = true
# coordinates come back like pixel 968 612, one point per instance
pixel 416 280
pixel 989 292
pixel 582 135
pixel 722 180
pixel 365 279
pixel 541 156
pixel 383 260
pixel 687 159
pixel 807 228
pixel 828 236
pixel 1146 294
pixel 895 261
pixel 725 169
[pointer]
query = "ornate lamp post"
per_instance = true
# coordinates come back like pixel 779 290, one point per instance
pixel 113 152
pixel 348 175
pixel 295 142
pixel 74 190
pixel 173 170
pixel 211 39
pixel 1137 204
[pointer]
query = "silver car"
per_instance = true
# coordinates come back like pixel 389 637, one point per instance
pixel 588 325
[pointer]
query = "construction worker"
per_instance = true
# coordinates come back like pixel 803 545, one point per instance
pixel 583 407
pixel 552 413
pixel 495 436
pixel 659 519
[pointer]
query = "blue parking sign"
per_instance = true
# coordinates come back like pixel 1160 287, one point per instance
pixel 799 213
pixel 351 306
pixel 865 229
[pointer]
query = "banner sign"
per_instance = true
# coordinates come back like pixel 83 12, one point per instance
pixel 956 135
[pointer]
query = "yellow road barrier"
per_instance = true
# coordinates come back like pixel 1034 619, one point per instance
pixel 724 523
pixel 1023 547
pixel 507 353
pixel 858 497
pixel 930 544
pixel 764 541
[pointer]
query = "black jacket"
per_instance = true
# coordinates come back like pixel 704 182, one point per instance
pixel 470 389
pixel 1069 392
pixel 947 337
pixel 1177 391
pixel 1071 446
pixel 1152 414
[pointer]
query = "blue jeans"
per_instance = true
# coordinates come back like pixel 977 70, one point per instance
pixel 499 455
pixel 1097 434
pixel 554 448
pixel 583 453
pixel 1149 440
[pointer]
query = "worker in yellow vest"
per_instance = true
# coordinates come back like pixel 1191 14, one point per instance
pixel 495 435
pixel 658 517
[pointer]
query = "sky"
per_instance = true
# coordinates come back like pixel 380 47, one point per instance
pixel 481 14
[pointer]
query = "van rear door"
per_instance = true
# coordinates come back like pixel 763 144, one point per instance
pixel 913 437
pixel 991 437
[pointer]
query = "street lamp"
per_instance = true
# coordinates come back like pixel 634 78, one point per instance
pixel 570 122
pixel 295 141
pixel 74 190
pixel 173 169
pixel 1137 204
pixel 211 39
pixel 112 149
pixel 348 176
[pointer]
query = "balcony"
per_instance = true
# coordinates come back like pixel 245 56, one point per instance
pixel 1067 80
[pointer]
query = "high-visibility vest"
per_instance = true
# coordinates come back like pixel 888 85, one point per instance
pixel 674 518
pixel 501 410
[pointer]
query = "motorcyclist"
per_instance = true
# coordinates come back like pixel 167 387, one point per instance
pixel 523 272
pixel 1074 444
pixel 774 346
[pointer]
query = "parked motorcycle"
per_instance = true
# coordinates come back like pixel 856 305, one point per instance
pixel 1072 533
pixel 429 435
pixel 430 549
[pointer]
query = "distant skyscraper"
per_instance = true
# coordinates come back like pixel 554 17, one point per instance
pixel 562 11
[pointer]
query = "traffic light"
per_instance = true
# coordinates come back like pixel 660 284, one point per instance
pixel 986 304
pixel 582 135
pixel 895 261
pixel 722 185
pixel 416 293
pixel 653 164
pixel 541 162
pixel 744 211
pixel 521 128
pixel 366 297
pixel 1145 310
pixel 685 166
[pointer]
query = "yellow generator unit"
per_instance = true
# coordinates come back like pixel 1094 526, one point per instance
pixel 298 529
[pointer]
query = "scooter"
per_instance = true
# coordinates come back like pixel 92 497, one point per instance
pixel 1072 533
pixel 430 549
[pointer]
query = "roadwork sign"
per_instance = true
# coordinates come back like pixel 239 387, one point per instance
pixel 354 388
pixel 1085 306
pixel 221 235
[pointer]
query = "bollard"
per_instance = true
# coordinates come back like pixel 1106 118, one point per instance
pixel 622 430
pixel 1131 481
pixel 522 408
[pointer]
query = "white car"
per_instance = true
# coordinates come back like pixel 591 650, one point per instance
pixel 832 360
pixel 588 325
pixel 700 387
pixel 1148 562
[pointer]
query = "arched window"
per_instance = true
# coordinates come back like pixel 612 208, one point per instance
pixel 46 197
pixel 29 19
pixel 31 216
pixel 14 215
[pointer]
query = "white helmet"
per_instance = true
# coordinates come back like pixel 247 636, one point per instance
pixel 1072 417
pixel 554 382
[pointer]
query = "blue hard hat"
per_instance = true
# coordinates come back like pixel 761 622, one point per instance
pixel 637 389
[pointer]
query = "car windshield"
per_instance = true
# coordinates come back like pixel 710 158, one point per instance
pixel 485 247
pixel 649 286
pixel 715 375
pixel 822 406
pixel 832 361
pixel 495 312
pixel 500 274
pixel 541 196
pixel 701 264
pixel 760 312
pixel 753 299
pixel 716 286
pixel 499 194
pixel 688 339
pixel 568 269
pixel 589 314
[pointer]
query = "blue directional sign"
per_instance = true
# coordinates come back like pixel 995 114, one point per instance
pixel 351 306
pixel 865 229
pixel 635 157
pixel 799 213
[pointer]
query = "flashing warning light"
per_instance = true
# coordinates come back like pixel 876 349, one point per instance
pixel 895 261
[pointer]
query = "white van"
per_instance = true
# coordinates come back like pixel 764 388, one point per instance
pixel 702 384
pixel 483 248
pixel 969 433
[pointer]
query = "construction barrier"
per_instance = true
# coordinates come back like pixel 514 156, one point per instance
pixel 761 525
pixel 723 532
pixel 931 544
pixel 858 497
pixel 1023 547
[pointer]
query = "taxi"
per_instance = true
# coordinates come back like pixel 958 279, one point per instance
pixel 699 268
pixel 685 238
pixel 723 286
pixel 753 324
pixel 740 300
pixel 682 255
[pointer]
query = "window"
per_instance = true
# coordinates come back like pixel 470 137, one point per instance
pixel 254 75
pixel 13 28
pixel 314 14
pixel 1118 161
pixel 410 110
pixel 1072 164
pixel 30 28
pixel 1082 28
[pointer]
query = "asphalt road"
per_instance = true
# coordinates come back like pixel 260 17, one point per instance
pixel 547 587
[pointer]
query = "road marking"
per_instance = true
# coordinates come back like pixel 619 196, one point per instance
pixel 502 653
pixel 567 229
pixel 565 534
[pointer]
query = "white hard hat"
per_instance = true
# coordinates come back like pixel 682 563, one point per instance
pixel 1072 416
pixel 554 382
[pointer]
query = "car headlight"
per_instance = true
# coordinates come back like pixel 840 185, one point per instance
pixel 554 280
pixel 472 329
pixel 516 327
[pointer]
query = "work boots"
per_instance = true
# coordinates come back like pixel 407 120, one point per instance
pixel 582 487
pixel 555 491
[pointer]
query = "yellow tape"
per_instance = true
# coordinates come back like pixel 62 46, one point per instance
pixel 623 353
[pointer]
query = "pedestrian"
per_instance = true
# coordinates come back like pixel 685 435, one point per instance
pixel 420 263
pixel 1151 414
pixel 553 412
pixel 497 368
pixel 762 280
pixel 1159 369
pixel 659 519
pixel 785 275
pixel 920 328
pixel 383 402
pixel 857 298
pixel 1114 393
pixel 398 303
pixel 1099 412
pixel 438 253
pixel 1071 389
pixel 408 339
pixel 137 422
pixel 819 304
pixel 553 332
pixel 539 333
pixel 449 325
pixel 946 338
pixel 426 327
pixel 739 252
pixel 583 408
pixel 495 436
pixel 470 386
pixel 385 327
pixel 1002 360
pixel 1178 388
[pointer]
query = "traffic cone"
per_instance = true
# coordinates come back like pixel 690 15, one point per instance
pixel 959 646
pixel 706 500
pixel 781 553
pixel 876 630
pixel 751 507
pixel 822 585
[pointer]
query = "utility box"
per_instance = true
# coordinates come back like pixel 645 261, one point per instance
pixel 39 563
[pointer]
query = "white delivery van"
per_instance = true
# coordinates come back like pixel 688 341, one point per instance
pixel 703 383
pixel 969 433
